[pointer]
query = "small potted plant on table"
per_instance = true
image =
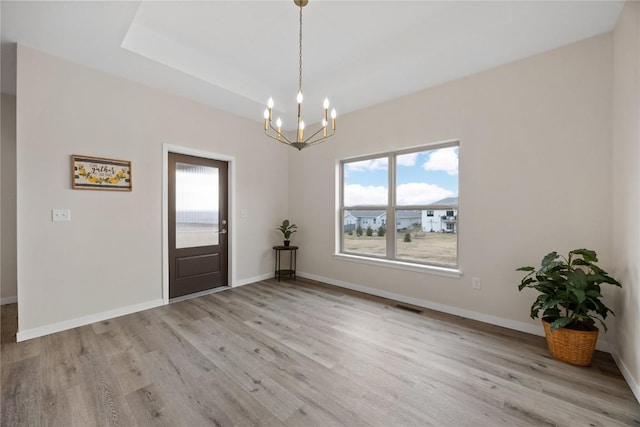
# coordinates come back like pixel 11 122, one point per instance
pixel 571 301
pixel 287 229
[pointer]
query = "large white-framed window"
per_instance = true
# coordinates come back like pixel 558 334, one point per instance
pixel 415 189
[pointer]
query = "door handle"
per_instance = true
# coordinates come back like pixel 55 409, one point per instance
pixel 223 231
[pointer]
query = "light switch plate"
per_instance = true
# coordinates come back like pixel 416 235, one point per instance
pixel 58 215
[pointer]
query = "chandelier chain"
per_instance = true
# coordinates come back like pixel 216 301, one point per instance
pixel 300 55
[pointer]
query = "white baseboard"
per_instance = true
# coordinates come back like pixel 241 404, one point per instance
pixel 253 279
pixel 52 328
pixel 28 334
pixel 633 382
pixel 8 300
pixel 602 345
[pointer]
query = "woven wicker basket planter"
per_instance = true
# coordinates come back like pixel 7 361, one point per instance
pixel 568 345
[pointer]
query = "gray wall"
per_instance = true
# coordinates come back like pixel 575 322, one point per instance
pixel 109 257
pixel 535 176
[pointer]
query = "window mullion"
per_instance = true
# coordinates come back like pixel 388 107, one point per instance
pixel 342 209
pixel 391 211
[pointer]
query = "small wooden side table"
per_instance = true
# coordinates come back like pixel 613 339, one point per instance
pixel 291 271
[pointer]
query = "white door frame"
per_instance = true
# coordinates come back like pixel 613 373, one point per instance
pixel 169 148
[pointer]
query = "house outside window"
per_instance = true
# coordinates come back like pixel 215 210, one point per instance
pixel 415 189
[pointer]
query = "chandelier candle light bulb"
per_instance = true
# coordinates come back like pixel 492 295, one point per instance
pixel 279 124
pixel 300 142
pixel 325 104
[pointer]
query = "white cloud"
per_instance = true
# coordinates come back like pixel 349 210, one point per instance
pixel 368 165
pixel 407 159
pixel 416 193
pixel 445 159
pixel 356 194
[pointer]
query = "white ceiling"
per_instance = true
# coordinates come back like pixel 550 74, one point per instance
pixel 233 55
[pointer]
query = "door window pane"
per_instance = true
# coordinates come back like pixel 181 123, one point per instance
pixel 197 209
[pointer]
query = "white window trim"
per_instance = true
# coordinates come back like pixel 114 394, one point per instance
pixel 400 265
pixel 453 272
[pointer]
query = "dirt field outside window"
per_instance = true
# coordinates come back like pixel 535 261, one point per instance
pixel 424 247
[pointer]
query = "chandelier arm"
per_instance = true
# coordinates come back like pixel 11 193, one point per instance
pixel 319 140
pixel 286 141
pixel 312 136
pixel 280 134
pixel 282 141
pixel 276 131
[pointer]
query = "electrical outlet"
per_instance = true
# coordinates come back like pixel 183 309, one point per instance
pixel 475 283
pixel 58 215
pixel 244 213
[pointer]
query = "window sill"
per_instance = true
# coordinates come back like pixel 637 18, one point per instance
pixel 407 266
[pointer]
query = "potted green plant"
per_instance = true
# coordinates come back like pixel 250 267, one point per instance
pixel 570 301
pixel 287 229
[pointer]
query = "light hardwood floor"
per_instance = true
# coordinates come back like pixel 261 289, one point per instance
pixel 300 354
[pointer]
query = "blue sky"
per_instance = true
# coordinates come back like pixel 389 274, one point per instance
pixel 422 178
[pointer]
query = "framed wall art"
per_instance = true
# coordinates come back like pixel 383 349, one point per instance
pixel 98 173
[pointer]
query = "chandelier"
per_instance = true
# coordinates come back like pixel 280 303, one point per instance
pixel 299 141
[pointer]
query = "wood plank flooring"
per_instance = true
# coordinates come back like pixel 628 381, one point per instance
pixel 300 354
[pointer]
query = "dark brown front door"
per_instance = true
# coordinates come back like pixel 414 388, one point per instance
pixel 198 224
